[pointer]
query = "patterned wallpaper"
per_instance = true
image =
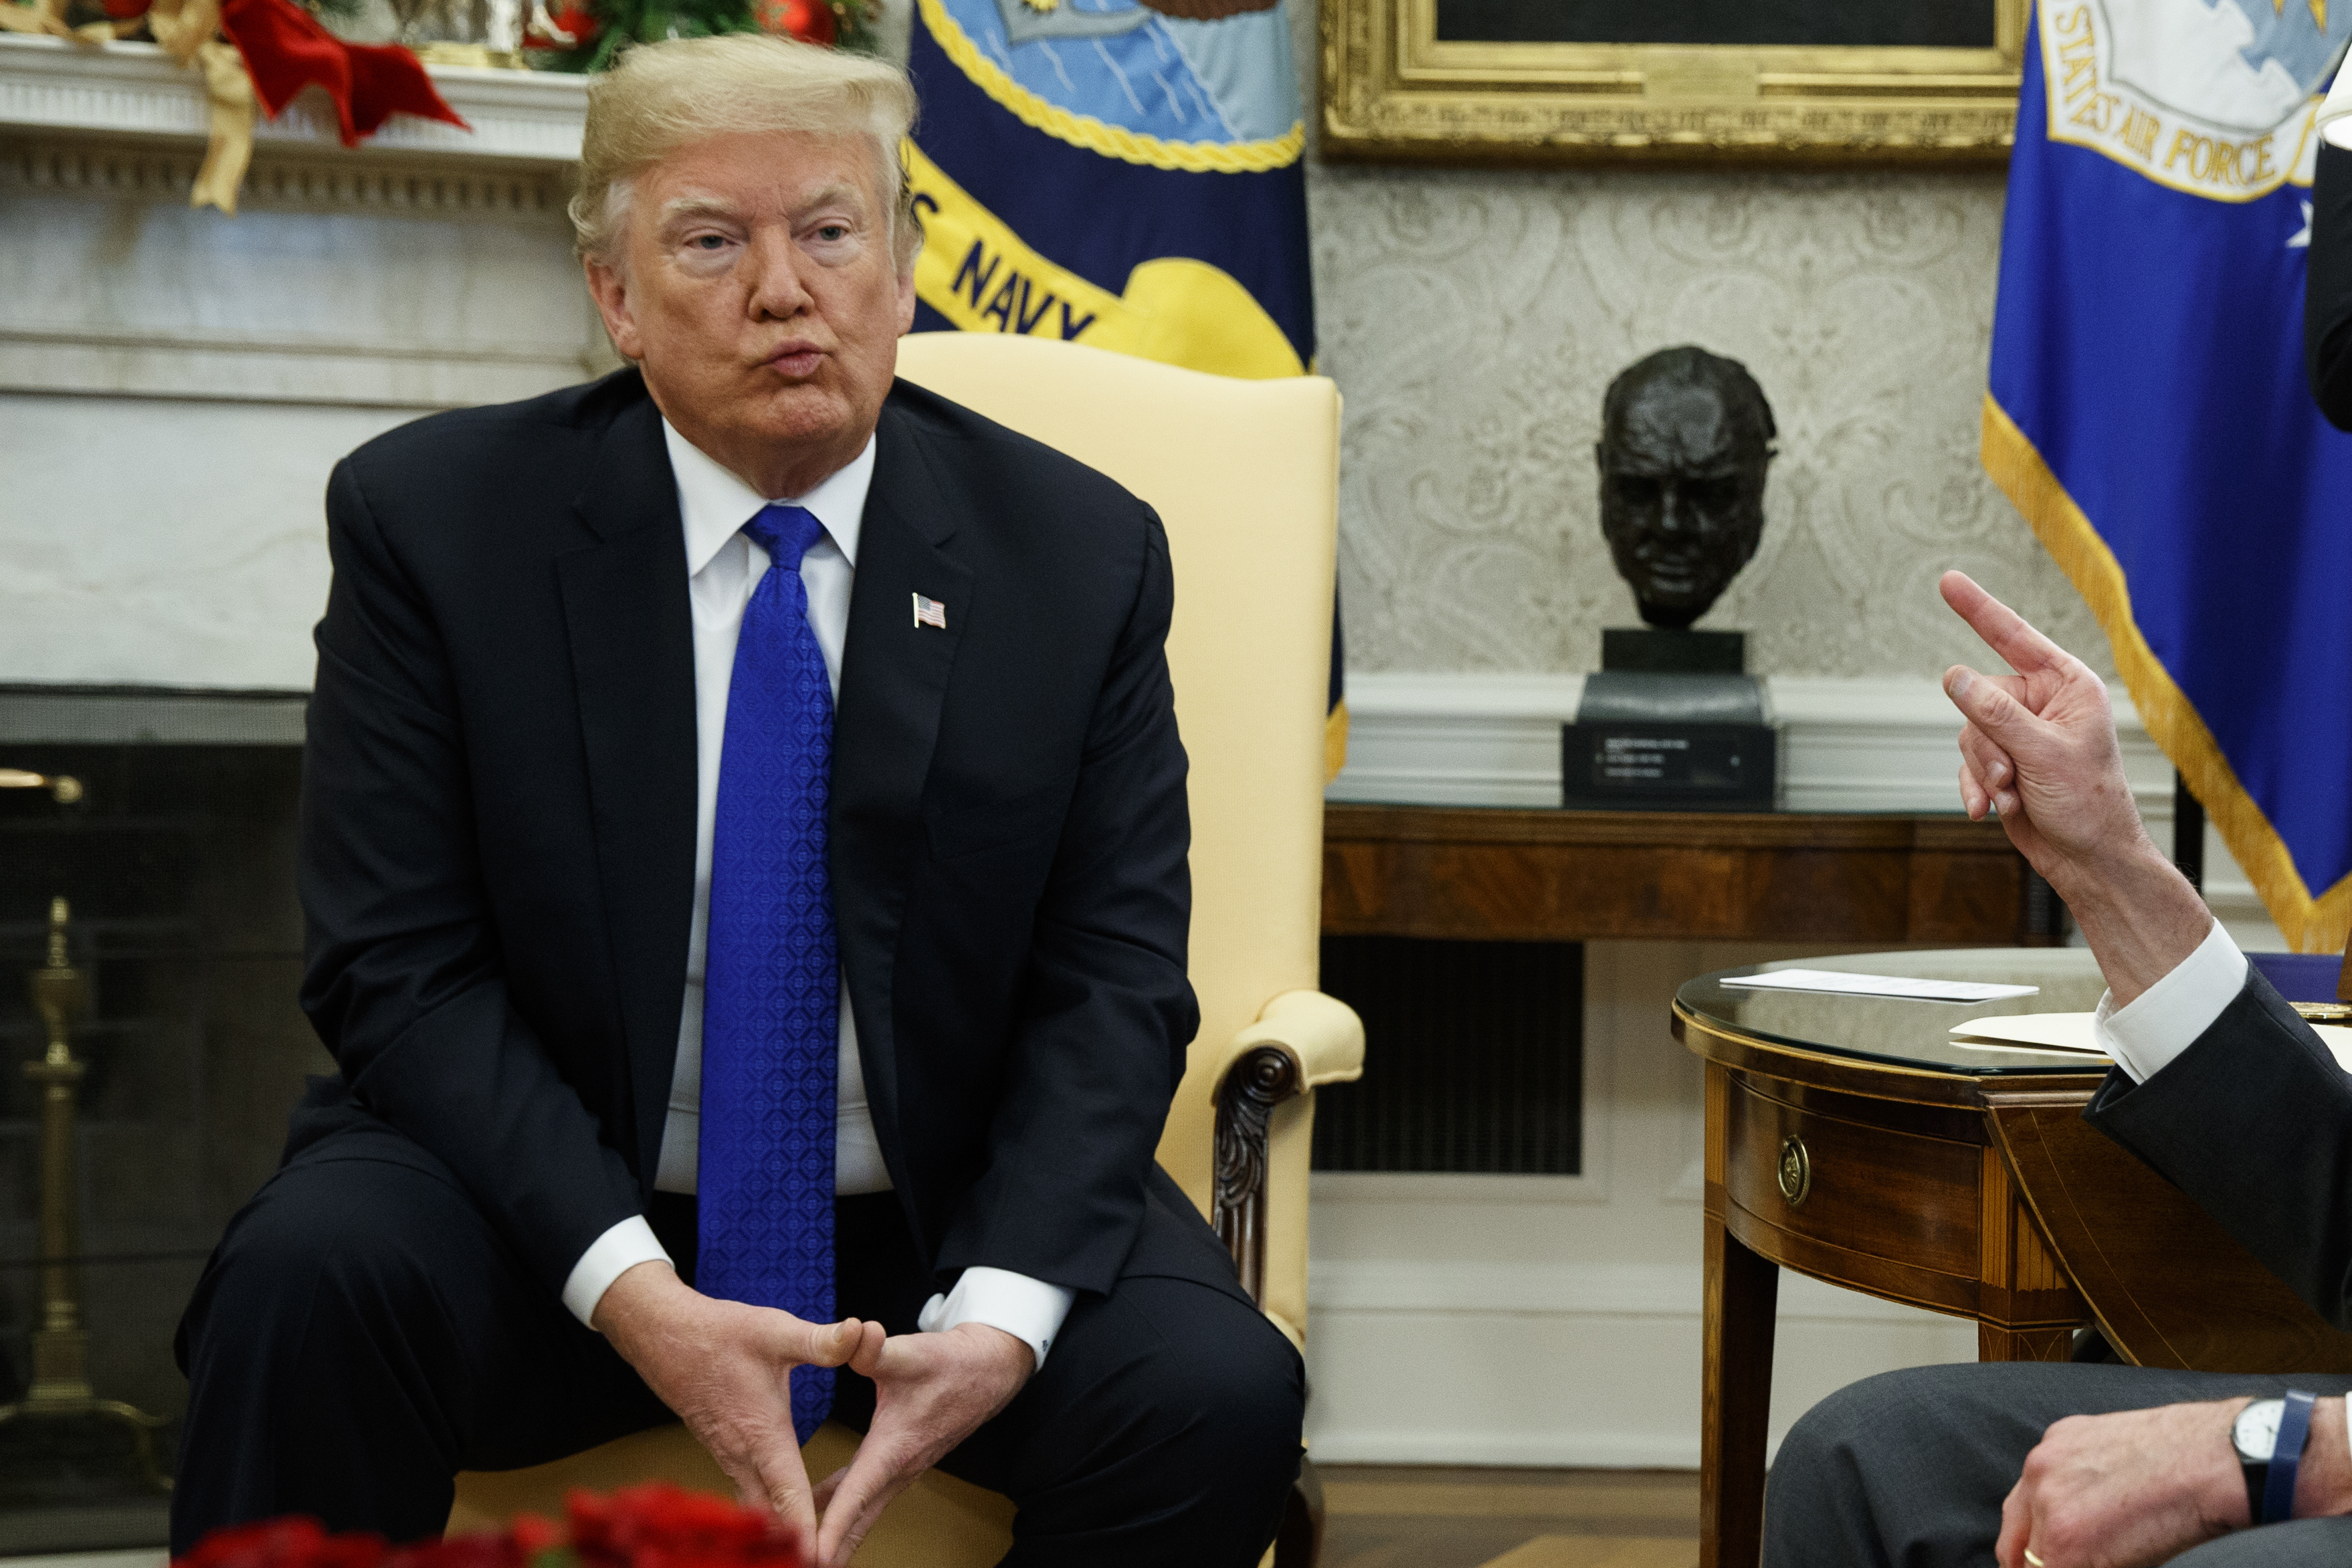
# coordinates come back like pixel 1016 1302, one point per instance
pixel 1474 318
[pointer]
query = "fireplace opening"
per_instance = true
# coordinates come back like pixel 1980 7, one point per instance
pixel 150 955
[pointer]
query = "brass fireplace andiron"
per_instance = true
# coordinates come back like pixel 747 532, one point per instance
pixel 61 1387
pixel 63 789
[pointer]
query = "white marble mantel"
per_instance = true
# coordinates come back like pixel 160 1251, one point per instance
pixel 529 118
pixel 175 384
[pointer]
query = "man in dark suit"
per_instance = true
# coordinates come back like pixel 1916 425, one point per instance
pixel 2328 278
pixel 2219 1085
pixel 672 908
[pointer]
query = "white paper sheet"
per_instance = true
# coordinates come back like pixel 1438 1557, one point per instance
pixel 2049 1031
pixel 1838 983
pixel 2071 1033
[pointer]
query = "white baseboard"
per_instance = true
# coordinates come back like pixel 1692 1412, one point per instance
pixel 1591 1365
pixel 1476 739
pixel 1656 1291
pixel 1585 1450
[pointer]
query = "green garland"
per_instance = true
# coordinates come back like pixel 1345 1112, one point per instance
pixel 627 22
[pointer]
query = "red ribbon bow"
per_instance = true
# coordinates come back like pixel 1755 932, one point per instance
pixel 285 50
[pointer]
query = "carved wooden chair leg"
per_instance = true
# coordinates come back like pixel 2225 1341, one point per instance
pixel 1257 1083
pixel 1254 1086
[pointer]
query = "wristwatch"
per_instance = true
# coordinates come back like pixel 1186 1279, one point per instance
pixel 2269 1437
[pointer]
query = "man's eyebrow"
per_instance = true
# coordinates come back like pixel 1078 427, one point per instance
pixel 827 196
pixel 679 208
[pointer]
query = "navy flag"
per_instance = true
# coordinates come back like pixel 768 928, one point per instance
pixel 1118 174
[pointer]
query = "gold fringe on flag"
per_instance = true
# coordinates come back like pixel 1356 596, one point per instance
pixel 2312 925
pixel 1335 741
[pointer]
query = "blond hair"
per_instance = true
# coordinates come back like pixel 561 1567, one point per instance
pixel 659 97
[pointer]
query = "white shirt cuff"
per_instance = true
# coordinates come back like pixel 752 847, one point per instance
pixel 608 1258
pixel 1029 1309
pixel 2332 118
pixel 2166 1020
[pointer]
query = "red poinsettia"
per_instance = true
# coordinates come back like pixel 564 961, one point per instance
pixel 810 21
pixel 653 1526
pixel 284 1543
pixel 662 1526
pixel 572 27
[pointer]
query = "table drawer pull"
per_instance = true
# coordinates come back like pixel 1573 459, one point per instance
pixel 1795 1171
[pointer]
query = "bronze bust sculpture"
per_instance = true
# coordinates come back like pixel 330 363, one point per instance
pixel 1685 437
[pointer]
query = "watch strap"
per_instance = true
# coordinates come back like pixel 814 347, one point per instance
pixel 2256 1473
pixel 2286 1458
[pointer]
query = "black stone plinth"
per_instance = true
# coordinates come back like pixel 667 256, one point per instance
pixel 1646 650
pixel 1654 741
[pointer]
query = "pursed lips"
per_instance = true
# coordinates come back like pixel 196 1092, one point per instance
pixel 795 358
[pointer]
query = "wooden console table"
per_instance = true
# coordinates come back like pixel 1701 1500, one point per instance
pixel 1487 874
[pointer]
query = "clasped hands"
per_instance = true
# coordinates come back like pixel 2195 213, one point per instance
pixel 723 1367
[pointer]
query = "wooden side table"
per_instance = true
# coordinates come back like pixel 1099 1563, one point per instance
pixel 1847 1138
pixel 1491 874
pixel 1854 1141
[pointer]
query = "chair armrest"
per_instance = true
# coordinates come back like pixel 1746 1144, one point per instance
pixel 1302 1040
pixel 1321 1035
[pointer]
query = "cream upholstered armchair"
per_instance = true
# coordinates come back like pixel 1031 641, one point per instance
pixel 1244 475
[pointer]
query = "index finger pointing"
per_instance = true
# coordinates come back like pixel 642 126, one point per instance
pixel 2005 631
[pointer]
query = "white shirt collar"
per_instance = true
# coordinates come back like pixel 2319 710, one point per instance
pixel 715 504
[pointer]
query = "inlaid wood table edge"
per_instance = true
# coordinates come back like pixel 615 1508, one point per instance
pixel 1517 874
pixel 1361 821
pixel 1941 1177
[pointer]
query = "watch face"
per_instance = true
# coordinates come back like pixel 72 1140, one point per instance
pixel 2256 1433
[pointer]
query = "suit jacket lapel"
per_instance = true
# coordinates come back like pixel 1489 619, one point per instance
pixel 632 635
pixel 894 680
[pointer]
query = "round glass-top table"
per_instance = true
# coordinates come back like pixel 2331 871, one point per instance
pixel 1855 1139
pixel 1915 1035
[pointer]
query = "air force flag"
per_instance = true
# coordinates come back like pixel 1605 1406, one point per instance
pixel 2148 411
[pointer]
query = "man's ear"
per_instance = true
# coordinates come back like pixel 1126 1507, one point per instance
pixel 611 292
pixel 907 302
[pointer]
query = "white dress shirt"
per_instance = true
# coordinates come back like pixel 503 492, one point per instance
pixel 2334 116
pixel 2166 1020
pixel 723 567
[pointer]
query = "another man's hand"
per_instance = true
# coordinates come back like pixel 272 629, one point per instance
pixel 2141 1486
pixel 724 1367
pixel 931 1393
pixel 2039 748
pixel 2120 1491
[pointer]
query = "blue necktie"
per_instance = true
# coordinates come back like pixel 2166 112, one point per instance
pixel 771 984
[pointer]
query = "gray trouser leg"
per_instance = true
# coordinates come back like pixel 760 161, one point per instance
pixel 1909 1470
pixel 2298 1544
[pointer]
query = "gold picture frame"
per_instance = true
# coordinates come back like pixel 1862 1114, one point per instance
pixel 1393 91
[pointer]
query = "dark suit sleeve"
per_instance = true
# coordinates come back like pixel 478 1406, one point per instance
pixel 2328 296
pixel 1106 1012
pixel 403 979
pixel 2254 1121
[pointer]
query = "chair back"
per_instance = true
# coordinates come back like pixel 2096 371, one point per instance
pixel 1245 474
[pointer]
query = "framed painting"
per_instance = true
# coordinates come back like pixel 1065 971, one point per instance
pixel 1556 81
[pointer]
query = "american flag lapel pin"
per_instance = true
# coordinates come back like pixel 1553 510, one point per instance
pixel 930 613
